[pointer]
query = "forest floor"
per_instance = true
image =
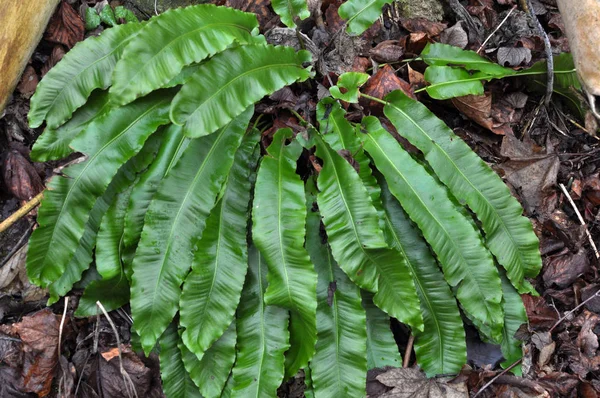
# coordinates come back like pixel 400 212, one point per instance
pixel 546 154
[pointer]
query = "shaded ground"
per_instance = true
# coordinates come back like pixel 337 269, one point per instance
pixel 535 148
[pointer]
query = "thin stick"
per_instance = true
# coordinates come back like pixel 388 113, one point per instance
pixel 581 221
pixel 489 383
pixel 568 314
pixel 126 379
pixel 16 216
pixel 408 351
pixel 62 324
pixel 497 27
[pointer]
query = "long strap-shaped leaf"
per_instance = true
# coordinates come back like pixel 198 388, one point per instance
pixel 514 316
pixel 381 347
pixel 88 66
pixel 262 336
pixel 113 293
pixel 339 367
pixel 211 373
pixel 396 293
pixel 467 265
pixel 289 10
pixel 174 39
pixel 176 381
pixel 278 230
pixel 508 234
pixel 361 13
pixel 83 255
pixel 109 142
pixel 173 223
pixel 53 144
pixel 441 346
pixel 173 145
pixel 211 292
pixel 246 73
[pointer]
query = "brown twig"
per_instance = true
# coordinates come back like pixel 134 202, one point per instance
pixel 581 221
pixel 408 351
pixel 497 27
pixel 489 383
pixel 568 314
pixel 24 210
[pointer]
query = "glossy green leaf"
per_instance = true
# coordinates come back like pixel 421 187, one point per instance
pixel 447 82
pixel 173 145
pixel 262 336
pixel 125 14
pixel 350 219
pixel 82 258
pixel 88 66
pixel 508 234
pixel 108 142
pixel 211 373
pixel 514 316
pixel 174 39
pixel 382 350
pixel 361 14
pixel 445 54
pixel 350 81
pixel 176 381
pixel 440 348
pixel 289 10
pixel 211 291
pixel 466 263
pixel 231 81
pixel 113 293
pixel 339 367
pixel 174 221
pixel 92 19
pixel 278 231
pixel 107 15
pixel 54 144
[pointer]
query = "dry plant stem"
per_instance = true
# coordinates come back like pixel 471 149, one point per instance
pixel 581 221
pixel 126 379
pixel 62 324
pixel 489 383
pixel 497 27
pixel 16 216
pixel 568 314
pixel 528 8
pixel 408 351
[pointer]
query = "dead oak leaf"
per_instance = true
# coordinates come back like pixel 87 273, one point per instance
pixel 410 382
pixel 39 334
pixel 66 26
pixel 422 25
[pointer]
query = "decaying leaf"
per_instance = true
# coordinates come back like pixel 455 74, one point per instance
pixel 387 51
pixel 563 270
pixel 410 382
pixel 455 36
pixel 20 177
pixel 111 378
pixel 381 84
pixel 66 26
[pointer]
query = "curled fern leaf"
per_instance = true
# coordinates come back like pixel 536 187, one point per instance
pixel 174 221
pixel 174 39
pixel 88 66
pixel 441 346
pixel 246 73
pixel 53 144
pixel 278 218
pixel 361 13
pixel 508 235
pixel 108 142
pixel 467 264
pixel 262 336
pixel 211 291
pixel 339 367
pixel 289 10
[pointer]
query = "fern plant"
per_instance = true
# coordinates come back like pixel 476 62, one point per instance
pixel 247 262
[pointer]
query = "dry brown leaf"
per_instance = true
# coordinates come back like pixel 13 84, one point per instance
pixel 20 177
pixel 563 270
pixel 416 78
pixel 410 382
pixel 478 108
pixel 28 83
pixel 422 25
pixel 57 53
pixel 387 51
pixel 66 26
pixel 455 36
pixel 39 334
pixel 540 315
pixel 112 381
pixel 381 84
